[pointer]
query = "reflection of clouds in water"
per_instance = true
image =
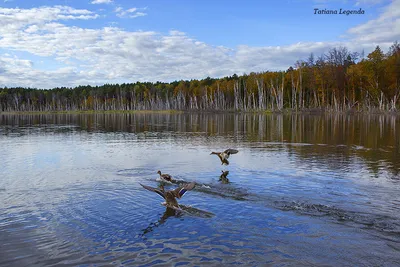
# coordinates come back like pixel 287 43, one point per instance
pixel 89 182
pixel 137 172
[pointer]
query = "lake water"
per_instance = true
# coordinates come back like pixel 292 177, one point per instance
pixel 304 190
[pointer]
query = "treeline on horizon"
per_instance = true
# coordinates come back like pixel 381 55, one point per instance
pixel 339 80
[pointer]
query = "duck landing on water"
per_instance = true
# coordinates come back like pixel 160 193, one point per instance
pixel 170 196
pixel 166 177
pixel 223 156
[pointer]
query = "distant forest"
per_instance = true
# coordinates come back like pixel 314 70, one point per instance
pixel 339 80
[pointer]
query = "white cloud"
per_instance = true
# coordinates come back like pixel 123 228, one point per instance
pixel 102 1
pixel 358 2
pixel 18 70
pixel 133 12
pixel 338 3
pixel 368 2
pixel 110 54
pixel 386 28
pixel 15 18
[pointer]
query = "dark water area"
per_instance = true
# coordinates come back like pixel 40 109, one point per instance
pixel 304 190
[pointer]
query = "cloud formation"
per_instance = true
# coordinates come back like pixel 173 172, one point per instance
pixel 130 13
pixel 80 56
pixel 385 28
pixel 102 2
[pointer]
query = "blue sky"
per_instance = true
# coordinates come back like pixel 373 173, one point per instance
pixel 52 43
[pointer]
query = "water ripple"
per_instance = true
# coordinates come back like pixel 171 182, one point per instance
pixel 70 193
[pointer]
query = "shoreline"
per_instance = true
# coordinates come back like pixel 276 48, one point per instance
pixel 78 112
pixel 285 111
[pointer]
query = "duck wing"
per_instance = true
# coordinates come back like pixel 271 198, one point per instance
pixel 158 191
pixel 219 154
pixel 231 151
pixel 180 191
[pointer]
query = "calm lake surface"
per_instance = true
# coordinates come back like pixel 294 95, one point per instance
pixel 304 190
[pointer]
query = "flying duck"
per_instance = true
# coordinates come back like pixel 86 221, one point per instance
pixel 223 156
pixel 165 177
pixel 170 196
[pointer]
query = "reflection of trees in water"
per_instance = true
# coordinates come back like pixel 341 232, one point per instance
pixel 372 137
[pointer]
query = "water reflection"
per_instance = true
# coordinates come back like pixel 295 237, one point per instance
pixel 304 189
pixel 374 138
pixel 224 177
pixel 169 212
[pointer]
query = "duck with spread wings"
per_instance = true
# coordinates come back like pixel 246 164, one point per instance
pixel 223 156
pixel 171 196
